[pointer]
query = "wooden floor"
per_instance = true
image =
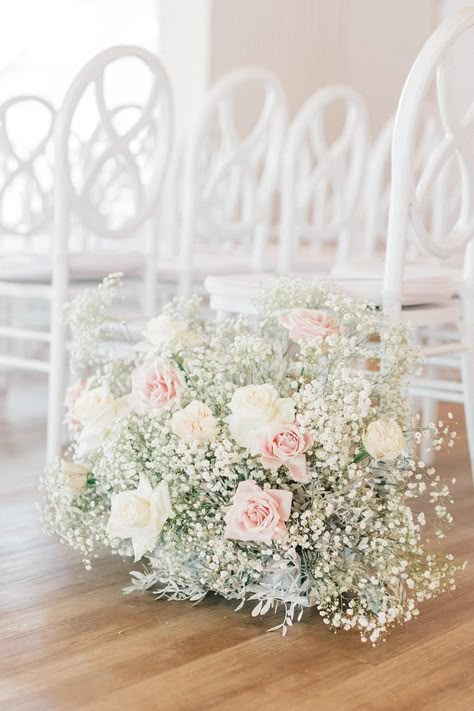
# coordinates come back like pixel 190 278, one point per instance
pixel 70 640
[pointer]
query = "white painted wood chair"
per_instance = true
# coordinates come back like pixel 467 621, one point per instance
pixel 423 300
pixel 133 178
pixel 322 180
pixel 26 171
pixel 226 180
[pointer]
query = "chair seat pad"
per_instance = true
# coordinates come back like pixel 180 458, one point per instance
pixel 418 291
pixel 30 268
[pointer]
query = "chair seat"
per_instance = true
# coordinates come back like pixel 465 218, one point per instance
pixel 446 275
pixel 236 293
pixel 31 268
pixel 204 264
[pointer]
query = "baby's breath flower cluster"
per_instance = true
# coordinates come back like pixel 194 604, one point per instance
pixel 267 459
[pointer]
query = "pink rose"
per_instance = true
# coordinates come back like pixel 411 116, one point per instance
pixel 307 323
pixel 284 445
pixel 258 514
pixel 157 386
pixel 73 393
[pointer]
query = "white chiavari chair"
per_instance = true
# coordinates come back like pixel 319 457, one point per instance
pixel 425 301
pixel 322 179
pixel 226 180
pixel 133 178
pixel 110 186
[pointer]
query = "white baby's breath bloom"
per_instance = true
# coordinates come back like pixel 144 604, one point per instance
pixel 383 440
pixel 253 407
pixel 195 421
pixel 140 514
pixel 74 476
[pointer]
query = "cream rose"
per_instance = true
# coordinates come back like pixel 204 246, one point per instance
pixel 157 386
pixel 91 404
pixel 383 440
pixel 195 421
pixel 253 407
pixel 163 329
pixel 74 476
pixel 308 323
pixel 92 435
pixel 140 514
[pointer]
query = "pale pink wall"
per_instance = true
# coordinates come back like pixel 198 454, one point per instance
pixel 369 44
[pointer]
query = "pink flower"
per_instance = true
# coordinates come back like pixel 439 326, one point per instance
pixel 307 323
pixel 284 445
pixel 73 393
pixel 157 386
pixel 258 514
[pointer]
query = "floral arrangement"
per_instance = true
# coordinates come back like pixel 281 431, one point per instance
pixel 268 459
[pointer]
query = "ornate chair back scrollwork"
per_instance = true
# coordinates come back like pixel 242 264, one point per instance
pixel 229 179
pixel 26 167
pixel 452 154
pixel 112 186
pixel 322 176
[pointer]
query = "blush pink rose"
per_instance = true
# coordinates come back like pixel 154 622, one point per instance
pixel 73 393
pixel 307 323
pixel 258 514
pixel 284 445
pixel 157 386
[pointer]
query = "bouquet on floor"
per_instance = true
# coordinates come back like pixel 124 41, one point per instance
pixel 268 459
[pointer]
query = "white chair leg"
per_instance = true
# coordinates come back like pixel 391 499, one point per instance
pixel 429 412
pixel 468 387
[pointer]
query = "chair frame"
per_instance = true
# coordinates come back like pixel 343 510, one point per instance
pixel 271 126
pixel 330 166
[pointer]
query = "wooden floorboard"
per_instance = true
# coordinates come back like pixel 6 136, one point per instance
pixel 70 640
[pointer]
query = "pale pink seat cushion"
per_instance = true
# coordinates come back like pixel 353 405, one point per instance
pixel 30 268
pixel 417 291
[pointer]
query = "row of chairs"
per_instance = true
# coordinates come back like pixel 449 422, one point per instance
pixel 174 216
pixel 219 202
pixel 427 275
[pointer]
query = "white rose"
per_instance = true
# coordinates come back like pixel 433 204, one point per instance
pixel 140 515
pixel 91 404
pixel 161 330
pixel 253 407
pixel 92 436
pixel 195 421
pixel 74 476
pixel 383 440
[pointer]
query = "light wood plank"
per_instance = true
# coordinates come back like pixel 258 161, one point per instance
pixel 70 640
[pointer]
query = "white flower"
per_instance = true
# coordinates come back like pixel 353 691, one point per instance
pixel 140 514
pixel 91 437
pixel 253 407
pixel 74 476
pixel 91 404
pixel 383 440
pixel 161 330
pixel 195 421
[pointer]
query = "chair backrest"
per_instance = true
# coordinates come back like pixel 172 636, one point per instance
pixel 111 184
pixel 26 166
pixel 322 174
pixel 429 77
pixel 128 153
pixel 229 179
pixel 441 202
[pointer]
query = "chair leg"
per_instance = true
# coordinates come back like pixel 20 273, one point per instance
pixel 429 412
pixel 468 387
